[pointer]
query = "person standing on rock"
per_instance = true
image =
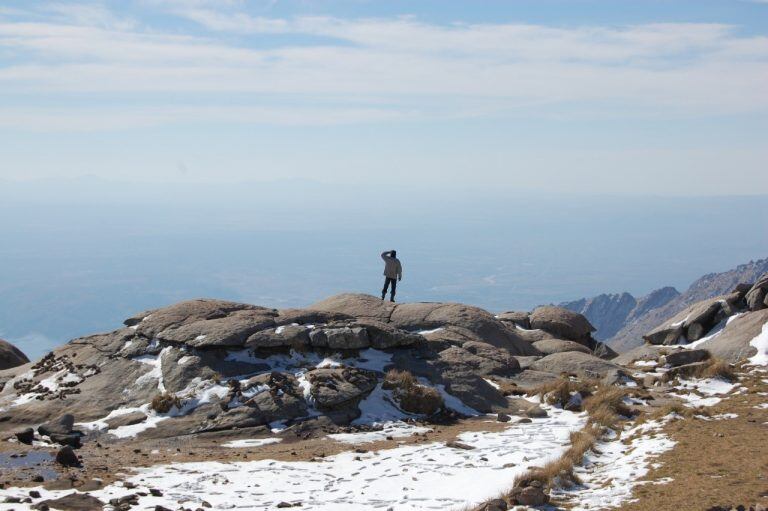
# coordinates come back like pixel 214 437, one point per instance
pixel 393 271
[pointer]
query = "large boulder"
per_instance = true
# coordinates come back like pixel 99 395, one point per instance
pixel 339 338
pixel 683 357
pixel 643 353
pixel 290 335
pixel 11 356
pixel 61 426
pixel 230 331
pixel 534 335
pixel 521 319
pixel 480 359
pixel 733 343
pixel 758 295
pixel 688 325
pixel 337 388
pixel 529 378
pixel 478 321
pixel 308 317
pixel 578 364
pixel 549 346
pixel 562 322
pixel 74 501
pixel 385 336
pixel 151 323
pixel 356 305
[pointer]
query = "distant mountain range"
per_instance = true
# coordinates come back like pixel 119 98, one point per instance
pixel 621 319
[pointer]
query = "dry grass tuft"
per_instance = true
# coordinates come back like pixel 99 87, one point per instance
pixel 396 379
pixel 718 368
pixel 606 407
pixel 559 472
pixel 411 396
pixel 558 393
pixel 162 403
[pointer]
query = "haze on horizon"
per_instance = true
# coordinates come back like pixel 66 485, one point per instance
pixel 585 96
pixel 514 152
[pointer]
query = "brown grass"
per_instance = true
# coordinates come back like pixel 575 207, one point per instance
pixel 606 410
pixel 718 368
pixel 558 393
pixel 396 379
pixel 411 396
pixel 162 403
pixel 606 407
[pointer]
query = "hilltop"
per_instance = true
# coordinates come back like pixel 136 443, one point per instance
pixel 422 405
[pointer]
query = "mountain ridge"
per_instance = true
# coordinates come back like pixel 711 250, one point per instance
pixel 622 329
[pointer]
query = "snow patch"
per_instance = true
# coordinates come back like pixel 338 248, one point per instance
pixel 610 471
pixel 252 442
pixel 760 343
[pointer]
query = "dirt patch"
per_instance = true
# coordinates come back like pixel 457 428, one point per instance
pixel 714 463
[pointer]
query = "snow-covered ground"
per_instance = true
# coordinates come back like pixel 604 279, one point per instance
pixel 613 469
pixel 412 477
pixel 707 392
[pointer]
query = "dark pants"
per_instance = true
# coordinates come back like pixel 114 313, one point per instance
pixel 387 282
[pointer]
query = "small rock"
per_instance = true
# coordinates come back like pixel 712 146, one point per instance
pixel 34 494
pixel 26 436
pixel 67 457
pixel 493 505
pixel 532 496
pixel 73 502
pixel 536 412
pixel 459 445
pixel 503 417
pixel 71 440
pixel 155 492
pixel 62 426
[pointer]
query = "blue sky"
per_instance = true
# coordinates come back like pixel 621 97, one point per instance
pixel 616 97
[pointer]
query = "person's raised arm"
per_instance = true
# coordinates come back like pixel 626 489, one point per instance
pixel 385 255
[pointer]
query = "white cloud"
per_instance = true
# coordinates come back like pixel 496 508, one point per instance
pixel 373 70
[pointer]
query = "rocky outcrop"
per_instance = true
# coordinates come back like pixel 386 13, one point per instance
pixel 577 364
pixel 549 346
pixel 563 323
pixel 757 296
pixel 734 342
pixel 470 323
pixel 660 305
pixel 729 327
pixel 339 388
pixel 11 356
pixel 222 365
pixel 690 324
